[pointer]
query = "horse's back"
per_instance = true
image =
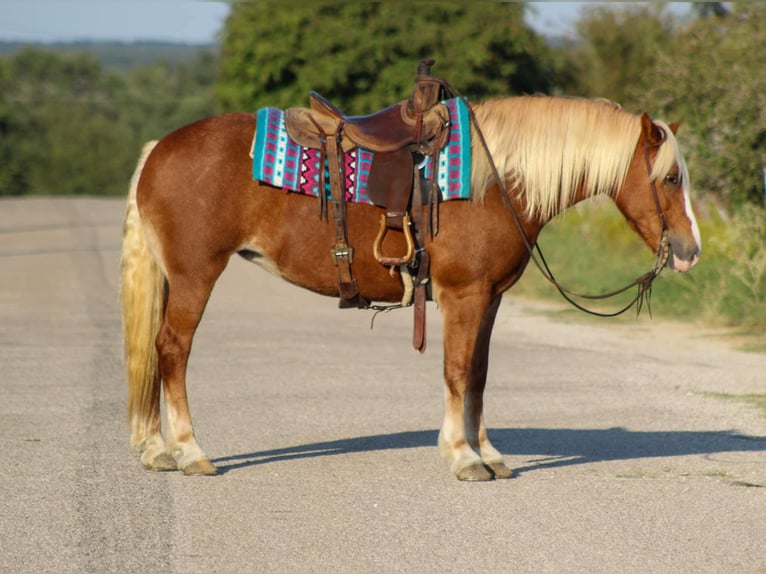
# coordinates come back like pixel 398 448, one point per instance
pixel 200 201
pixel 199 195
pixel 210 144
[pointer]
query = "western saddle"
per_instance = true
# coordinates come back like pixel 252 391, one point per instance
pixel 398 135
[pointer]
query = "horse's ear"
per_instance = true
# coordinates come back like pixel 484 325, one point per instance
pixel 653 134
pixel 674 127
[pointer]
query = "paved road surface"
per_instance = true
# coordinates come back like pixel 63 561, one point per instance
pixel 325 432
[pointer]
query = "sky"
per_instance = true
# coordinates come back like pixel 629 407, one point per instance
pixel 189 21
pixel 192 21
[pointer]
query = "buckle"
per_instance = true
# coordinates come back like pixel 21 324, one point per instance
pixel 342 250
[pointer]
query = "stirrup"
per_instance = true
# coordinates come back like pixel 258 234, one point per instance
pixel 377 246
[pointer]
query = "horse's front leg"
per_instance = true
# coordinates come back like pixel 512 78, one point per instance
pixel 463 440
pixel 489 454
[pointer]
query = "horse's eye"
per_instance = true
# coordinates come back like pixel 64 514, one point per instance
pixel 672 179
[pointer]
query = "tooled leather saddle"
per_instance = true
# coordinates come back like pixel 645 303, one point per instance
pixel 400 136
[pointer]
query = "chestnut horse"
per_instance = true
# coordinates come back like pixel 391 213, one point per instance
pixel 193 204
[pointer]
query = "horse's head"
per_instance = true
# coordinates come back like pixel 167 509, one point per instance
pixel 657 187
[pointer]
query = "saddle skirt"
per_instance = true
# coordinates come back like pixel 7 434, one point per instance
pixel 281 162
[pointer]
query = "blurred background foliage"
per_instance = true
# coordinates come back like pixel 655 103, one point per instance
pixel 72 121
pixel 364 54
pixel 73 118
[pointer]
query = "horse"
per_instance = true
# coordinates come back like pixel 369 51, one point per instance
pixel 193 203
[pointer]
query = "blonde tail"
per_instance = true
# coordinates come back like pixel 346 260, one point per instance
pixel 142 294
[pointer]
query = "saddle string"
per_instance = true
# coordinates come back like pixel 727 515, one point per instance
pixel 322 159
pixel 642 283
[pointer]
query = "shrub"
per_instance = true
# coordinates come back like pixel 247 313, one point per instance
pixel 592 250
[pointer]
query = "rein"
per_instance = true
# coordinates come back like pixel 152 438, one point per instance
pixel 642 283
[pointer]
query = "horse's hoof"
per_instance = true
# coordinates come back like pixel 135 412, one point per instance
pixel 163 462
pixel 200 467
pixel 476 472
pixel 500 470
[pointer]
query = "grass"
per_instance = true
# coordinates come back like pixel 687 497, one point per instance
pixel 592 250
pixel 754 400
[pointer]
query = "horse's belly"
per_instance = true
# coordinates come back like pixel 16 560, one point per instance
pixel 295 266
pixel 252 255
pixel 315 271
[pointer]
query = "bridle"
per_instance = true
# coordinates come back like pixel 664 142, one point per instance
pixel 642 283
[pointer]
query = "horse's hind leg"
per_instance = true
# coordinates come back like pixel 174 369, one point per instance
pixel 463 441
pixel 187 297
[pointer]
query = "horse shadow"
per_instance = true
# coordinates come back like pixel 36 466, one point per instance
pixel 545 448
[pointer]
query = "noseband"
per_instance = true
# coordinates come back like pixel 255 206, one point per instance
pixel 642 283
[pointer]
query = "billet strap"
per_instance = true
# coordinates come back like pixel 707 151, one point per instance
pixel 423 262
pixel 419 329
pixel 342 252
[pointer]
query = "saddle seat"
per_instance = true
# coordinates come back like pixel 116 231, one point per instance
pixel 390 129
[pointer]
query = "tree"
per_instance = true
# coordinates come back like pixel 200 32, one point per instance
pixel 62 129
pixel 363 55
pixel 704 73
pixel 161 97
pixel 70 126
pixel 712 81
pixel 706 9
pixel 617 47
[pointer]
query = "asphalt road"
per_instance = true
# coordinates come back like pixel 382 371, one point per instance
pixel 627 460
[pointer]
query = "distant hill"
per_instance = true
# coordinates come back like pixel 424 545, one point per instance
pixel 121 55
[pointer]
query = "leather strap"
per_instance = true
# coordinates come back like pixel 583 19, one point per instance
pixel 424 262
pixel 342 252
pixel 643 283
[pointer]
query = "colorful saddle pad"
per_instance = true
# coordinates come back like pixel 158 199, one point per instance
pixel 279 161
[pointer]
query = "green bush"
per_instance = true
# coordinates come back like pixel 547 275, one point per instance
pixel 737 278
pixel 592 250
pixel 70 126
pixel 363 55
pixel 705 73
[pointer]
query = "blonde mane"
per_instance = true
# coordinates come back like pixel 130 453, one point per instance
pixel 548 148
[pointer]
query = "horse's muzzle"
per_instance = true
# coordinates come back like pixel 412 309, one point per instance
pixel 684 253
pixel 682 265
pixel 682 260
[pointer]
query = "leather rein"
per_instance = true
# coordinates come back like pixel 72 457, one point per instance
pixel 642 283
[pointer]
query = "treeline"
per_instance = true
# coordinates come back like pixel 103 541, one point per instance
pixel 705 72
pixel 122 55
pixel 73 123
